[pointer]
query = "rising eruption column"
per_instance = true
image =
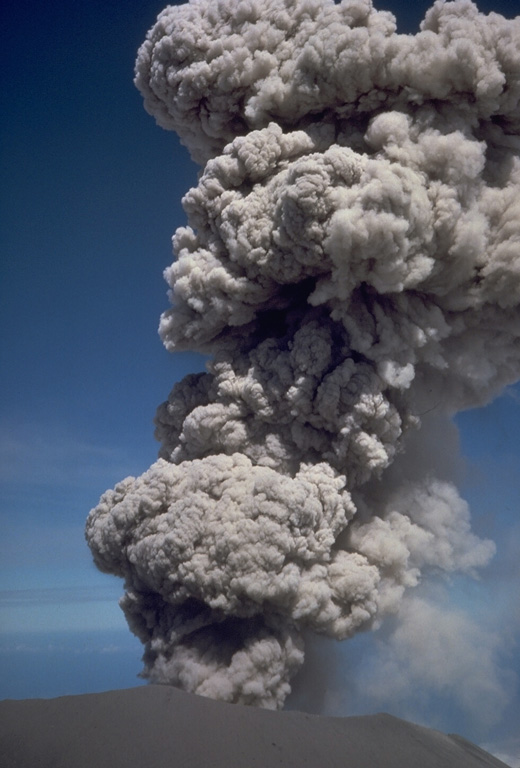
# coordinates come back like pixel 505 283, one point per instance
pixel 351 265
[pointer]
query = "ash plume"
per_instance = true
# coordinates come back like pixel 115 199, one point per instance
pixel 351 265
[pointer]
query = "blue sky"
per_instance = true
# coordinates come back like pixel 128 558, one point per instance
pixel 91 192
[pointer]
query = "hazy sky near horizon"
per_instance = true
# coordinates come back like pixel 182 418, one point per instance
pixel 91 192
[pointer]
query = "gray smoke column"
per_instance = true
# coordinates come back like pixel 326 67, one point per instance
pixel 351 263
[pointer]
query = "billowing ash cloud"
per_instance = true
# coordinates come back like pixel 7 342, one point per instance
pixel 352 263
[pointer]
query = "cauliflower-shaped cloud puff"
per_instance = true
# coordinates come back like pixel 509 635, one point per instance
pixel 351 262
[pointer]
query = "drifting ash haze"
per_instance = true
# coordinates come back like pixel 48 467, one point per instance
pixel 351 265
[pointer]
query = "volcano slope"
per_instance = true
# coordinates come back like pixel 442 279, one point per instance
pixel 162 727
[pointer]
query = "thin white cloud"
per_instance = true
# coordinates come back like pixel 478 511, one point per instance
pixel 30 611
pixel 59 595
pixel 50 455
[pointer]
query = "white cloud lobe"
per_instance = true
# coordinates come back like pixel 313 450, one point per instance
pixel 351 261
